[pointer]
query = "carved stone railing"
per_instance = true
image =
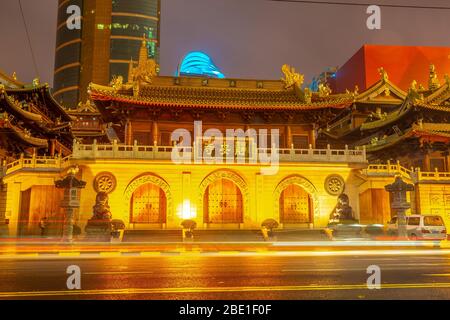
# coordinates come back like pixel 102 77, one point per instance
pixel 35 163
pixel 155 152
pixel 437 176
pixel 388 170
pixel 415 175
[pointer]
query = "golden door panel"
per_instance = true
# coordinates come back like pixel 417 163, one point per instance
pixel 223 202
pixel 148 205
pixel 295 205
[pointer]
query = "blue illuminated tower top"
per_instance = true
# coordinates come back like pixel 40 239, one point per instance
pixel 198 64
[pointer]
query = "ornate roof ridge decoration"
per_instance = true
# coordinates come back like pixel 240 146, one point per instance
pixel 144 72
pixel 87 107
pixel 10 79
pixel 291 77
pixel 274 99
pixel 28 88
pixel 440 94
pixel 433 82
pixel 385 86
pixel 215 89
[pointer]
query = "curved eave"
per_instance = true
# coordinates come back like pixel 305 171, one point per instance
pixel 26 89
pixel 389 142
pixel 88 134
pixel 45 89
pixel 433 107
pixel 9 129
pixel 19 112
pixel 391 118
pixel 57 107
pixel 415 132
pixel 10 81
pixel 426 132
pixel 342 135
pixel 217 105
pixel 441 94
pixel 393 102
pixel 60 127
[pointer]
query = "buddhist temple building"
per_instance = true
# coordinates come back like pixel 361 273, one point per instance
pixel 231 153
pixel 410 130
pixel 32 126
pixel 32 122
pixel 87 124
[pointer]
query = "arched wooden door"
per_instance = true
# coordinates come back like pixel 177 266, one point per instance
pixel 223 202
pixel 148 205
pixel 295 205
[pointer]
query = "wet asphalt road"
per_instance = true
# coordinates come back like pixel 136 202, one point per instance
pixel 228 277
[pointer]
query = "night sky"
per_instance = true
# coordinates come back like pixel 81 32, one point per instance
pixel 245 38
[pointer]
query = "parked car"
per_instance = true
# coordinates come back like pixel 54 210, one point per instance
pixel 425 227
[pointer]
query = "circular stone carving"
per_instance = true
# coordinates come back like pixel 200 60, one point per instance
pixel 105 182
pixel 334 185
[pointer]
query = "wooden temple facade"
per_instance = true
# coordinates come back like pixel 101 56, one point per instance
pixel 327 144
pixel 408 130
pixel 32 126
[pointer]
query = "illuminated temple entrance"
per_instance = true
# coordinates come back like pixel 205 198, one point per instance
pixel 295 205
pixel 223 202
pixel 148 205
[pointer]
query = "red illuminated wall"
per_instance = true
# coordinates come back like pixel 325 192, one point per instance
pixel 403 64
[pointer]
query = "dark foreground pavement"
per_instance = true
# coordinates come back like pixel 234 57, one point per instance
pixel 288 275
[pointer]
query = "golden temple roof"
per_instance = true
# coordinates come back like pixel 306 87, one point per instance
pixel 185 92
pixel 382 91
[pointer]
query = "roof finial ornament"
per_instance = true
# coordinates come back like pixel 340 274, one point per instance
pixel 291 77
pixel 447 79
pixel 414 92
pixel 324 90
pixel 413 86
pixel 384 75
pixel 433 82
pixel 146 69
pixel 307 95
pixel 116 83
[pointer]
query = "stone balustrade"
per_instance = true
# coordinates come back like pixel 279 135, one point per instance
pixel 436 175
pixel 35 162
pixel 388 169
pixel 155 152
pixel 413 174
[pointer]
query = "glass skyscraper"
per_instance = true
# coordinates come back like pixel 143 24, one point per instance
pixel 110 36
